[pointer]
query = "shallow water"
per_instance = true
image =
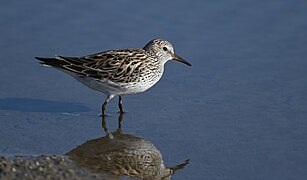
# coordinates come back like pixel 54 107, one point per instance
pixel 238 113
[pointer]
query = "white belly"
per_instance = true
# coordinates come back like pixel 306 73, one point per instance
pixel 111 88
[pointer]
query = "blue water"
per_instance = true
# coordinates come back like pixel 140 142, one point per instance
pixel 238 113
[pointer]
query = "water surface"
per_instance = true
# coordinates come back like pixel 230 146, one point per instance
pixel 238 113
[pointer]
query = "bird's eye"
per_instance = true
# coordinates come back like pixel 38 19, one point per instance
pixel 165 48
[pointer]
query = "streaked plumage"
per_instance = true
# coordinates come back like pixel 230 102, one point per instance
pixel 118 72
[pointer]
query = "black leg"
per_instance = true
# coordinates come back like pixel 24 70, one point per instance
pixel 104 124
pixel 104 105
pixel 120 119
pixel 120 104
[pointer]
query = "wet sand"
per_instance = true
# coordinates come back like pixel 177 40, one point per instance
pixel 44 167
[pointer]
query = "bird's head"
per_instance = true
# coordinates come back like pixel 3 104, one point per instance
pixel 164 50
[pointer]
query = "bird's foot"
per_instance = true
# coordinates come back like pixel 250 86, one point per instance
pixel 122 112
pixel 105 115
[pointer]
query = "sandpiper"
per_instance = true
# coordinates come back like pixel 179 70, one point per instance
pixel 119 72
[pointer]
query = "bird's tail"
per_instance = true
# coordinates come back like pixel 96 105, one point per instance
pixel 53 62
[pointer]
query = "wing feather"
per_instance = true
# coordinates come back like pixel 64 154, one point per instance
pixel 114 65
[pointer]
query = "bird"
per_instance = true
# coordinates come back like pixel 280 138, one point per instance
pixel 118 72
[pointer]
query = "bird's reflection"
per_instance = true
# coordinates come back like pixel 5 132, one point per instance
pixel 121 154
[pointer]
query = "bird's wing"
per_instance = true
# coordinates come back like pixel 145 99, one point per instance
pixel 114 65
